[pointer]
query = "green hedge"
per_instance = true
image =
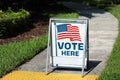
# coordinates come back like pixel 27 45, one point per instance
pixel 12 22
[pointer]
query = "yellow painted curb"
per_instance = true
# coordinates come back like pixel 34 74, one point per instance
pixel 26 75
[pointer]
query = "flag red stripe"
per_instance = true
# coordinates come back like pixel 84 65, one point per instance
pixel 72 33
pixel 68 33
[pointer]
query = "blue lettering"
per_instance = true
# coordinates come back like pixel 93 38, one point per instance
pixel 67 45
pixel 60 46
pixel 80 46
pixel 74 45
pixel 70 53
pixel 63 53
pixel 74 53
pixel 77 53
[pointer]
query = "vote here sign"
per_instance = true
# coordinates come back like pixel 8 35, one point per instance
pixel 69 43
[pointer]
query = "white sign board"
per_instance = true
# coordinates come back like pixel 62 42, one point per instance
pixel 68 43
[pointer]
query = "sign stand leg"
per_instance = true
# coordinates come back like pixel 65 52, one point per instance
pixel 85 52
pixel 47 64
pixel 48 50
pixel 82 72
pixel 83 66
pixel 47 59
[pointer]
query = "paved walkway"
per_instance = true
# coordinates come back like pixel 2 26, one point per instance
pixel 103 30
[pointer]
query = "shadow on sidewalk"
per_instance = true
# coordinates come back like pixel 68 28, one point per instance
pixel 84 10
pixel 90 66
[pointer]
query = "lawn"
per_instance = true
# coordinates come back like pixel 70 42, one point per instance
pixel 112 69
pixel 13 54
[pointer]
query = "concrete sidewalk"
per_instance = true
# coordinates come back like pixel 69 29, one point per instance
pixel 103 30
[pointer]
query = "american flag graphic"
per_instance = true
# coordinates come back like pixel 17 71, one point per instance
pixel 68 31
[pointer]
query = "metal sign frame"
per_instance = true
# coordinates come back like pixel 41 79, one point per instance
pixel 49 57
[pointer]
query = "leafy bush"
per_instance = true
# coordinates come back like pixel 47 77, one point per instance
pixel 12 22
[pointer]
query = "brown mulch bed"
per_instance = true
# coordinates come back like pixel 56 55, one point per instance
pixel 39 29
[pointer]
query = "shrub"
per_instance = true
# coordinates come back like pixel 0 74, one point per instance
pixel 12 22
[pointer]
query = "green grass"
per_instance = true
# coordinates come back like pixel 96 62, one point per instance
pixel 13 54
pixel 112 69
pixel 65 15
